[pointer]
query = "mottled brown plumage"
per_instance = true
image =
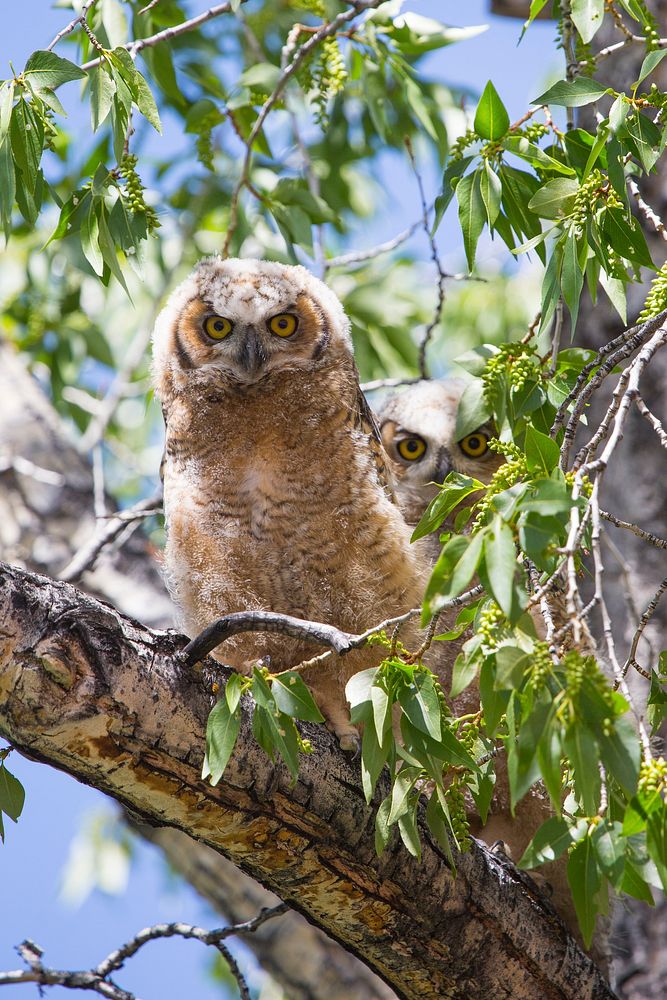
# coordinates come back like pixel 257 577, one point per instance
pixel 275 497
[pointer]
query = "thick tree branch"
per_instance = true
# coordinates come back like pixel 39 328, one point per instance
pixel 106 700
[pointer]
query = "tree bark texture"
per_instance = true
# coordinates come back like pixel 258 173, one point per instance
pixel 41 526
pixel 105 699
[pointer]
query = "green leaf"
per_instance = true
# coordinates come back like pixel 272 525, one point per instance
pixel 447 748
pixel 407 826
pixel 422 705
pixel 373 758
pixel 626 237
pixel 454 570
pixel 358 688
pixel 518 189
pixel 102 90
pixel 542 455
pixel 90 232
pixel 572 278
pixel 453 170
pixel 464 672
pixel 551 840
pixel 646 136
pixel 7 185
pixel 491 191
pixel 650 62
pixel 46 69
pixel 551 286
pixel 146 102
pixel 233 690
pixel 222 729
pixel 619 750
pixel 473 409
pixel 381 712
pixel 583 754
pixel 500 564
pixel 454 490
pixel 656 842
pixel 404 782
pixel 555 199
pixel 472 213
pixel 27 135
pixel 12 794
pixel 491 118
pixel 587 16
pixel 262 75
pixel 522 147
pixel 382 828
pixel 585 882
pixel 293 697
pixel 573 93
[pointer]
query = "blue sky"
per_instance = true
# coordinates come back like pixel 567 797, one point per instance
pixel 32 859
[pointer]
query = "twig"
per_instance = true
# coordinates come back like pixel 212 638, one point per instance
pixel 653 421
pixel 360 256
pixel 300 56
pixel 149 6
pixel 87 555
pixel 643 622
pixel 298 628
pixel 27 468
pixel 389 383
pixel 646 209
pixel 167 33
pixel 435 257
pixel 648 536
pixel 72 26
pixel 97 979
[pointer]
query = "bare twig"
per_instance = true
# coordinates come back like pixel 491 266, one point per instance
pixel 72 26
pixel 97 979
pixel 651 217
pixel 338 641
pixel 648 536
pixel 653 421
pixel 27 468
pixel 435 257
pixel 643 622
pixel 389 383
pixel 361 256
pixel 167 33
pixel 107 532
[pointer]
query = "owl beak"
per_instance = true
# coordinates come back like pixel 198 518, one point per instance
pixel 443 466
pixel 252 355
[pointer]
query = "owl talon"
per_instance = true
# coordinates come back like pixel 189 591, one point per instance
pixel 350 743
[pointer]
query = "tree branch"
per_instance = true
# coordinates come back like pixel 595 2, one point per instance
pixel 106 700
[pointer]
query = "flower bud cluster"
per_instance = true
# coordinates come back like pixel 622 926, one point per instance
pixel 134 191
pixel 456 803
pixel 656 300
pixel 653 777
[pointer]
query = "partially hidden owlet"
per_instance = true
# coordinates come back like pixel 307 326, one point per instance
pixel 274 488
pixel 418 428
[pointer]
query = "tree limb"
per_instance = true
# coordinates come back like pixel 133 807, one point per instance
pixel 106 700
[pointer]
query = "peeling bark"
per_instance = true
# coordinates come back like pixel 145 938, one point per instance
pixel 107 700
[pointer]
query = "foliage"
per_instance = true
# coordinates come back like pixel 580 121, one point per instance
pixel 288 112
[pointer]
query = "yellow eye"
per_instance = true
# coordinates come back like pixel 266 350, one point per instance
pixel 283 325
pixel 411 448
pixel 217 327
pixel 475 445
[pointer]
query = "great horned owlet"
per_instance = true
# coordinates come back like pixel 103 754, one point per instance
pixel 418 427
pixel 274 488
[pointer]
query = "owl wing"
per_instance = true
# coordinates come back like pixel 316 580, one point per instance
pixel 364 421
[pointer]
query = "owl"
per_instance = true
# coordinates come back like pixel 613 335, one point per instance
pixel 275 492
pixel 418 428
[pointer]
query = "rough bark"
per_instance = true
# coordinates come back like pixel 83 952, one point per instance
pixel 42 524
pixel 105 699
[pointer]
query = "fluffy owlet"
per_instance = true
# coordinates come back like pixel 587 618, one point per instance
pixel 274 488
pixel 418 428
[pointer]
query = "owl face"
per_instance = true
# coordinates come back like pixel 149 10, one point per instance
pixel 242 320
pixel 418 429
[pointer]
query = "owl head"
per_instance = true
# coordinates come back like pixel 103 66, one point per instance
pixel 242 320
pixel 418 428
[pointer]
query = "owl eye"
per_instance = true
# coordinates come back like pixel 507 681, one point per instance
pixel 283 325
pixel 411 448
pixel 217 327
pixel 475 445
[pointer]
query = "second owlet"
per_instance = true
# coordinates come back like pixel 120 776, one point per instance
pixel 418 428
pixel 274 489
